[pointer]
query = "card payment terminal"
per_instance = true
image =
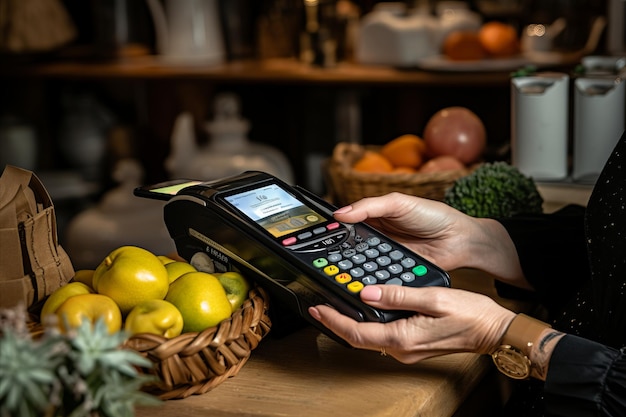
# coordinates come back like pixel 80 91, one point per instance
pixel 286 239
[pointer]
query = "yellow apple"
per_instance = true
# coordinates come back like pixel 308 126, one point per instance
pixel 130 275
pixel 60 295
pixel 90 307
pixel 165 259
pixel 154 316
pixel 85 276
pixel 177 268
pixel 201 300
pixel 236 287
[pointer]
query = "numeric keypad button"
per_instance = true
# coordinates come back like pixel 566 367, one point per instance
pixel 408 263
pixel 384 247
pixel 382 275
pixel 369 280
pixel 407 277
pixel 396 255
pixel 360 247
pixel 334 257
pixel 358 258
pixel 357 272
pixel 370 266
pixel 345 264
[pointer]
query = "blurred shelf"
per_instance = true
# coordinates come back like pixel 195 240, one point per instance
pixel 279 71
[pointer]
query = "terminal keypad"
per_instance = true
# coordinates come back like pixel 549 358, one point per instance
pixel 370 260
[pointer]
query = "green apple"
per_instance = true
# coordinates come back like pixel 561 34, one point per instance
pixel 201 300
pixel 236 287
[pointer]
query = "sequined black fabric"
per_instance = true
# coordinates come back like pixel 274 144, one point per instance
pixel 606 242
pixel 576 260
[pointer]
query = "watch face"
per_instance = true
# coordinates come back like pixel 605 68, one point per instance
pixel 511 362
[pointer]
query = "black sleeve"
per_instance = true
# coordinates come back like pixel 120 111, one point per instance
pixel 553 254
pixel 586 378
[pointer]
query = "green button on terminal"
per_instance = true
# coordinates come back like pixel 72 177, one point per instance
pixel 420 270
pixel 320 262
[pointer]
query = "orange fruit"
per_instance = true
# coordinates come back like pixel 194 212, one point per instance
pixel 372 161
pixel 405 151
pixel 463 45
pixel 499 39
pixel 404 170
pixel 442 163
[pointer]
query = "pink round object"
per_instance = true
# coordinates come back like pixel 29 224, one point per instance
pixel 457 132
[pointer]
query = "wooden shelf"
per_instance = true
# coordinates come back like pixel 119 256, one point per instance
pixel 282 71
pixel 291 105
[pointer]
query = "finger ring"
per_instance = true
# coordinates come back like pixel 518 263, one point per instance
pixel 383 352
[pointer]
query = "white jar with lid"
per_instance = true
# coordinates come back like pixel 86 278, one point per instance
pixel 598 124
pixel 229 151
pixel 539 125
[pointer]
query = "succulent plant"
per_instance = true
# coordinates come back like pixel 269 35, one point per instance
pixel 27 374
pixel 82 373
pixel 494 190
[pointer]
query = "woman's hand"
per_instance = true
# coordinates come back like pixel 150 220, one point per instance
pixel 440 233
pixel 446 321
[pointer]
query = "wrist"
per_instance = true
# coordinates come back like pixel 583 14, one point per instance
pixel 498 254
pixel 541 352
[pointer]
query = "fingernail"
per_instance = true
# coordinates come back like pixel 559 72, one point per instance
pixel 343 209
pixel 371 293
pixel 315 313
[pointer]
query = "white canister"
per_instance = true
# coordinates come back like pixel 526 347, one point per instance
pixel 598 124
pixel 539 125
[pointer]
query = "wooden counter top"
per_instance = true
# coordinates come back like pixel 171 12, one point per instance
pixel 308 374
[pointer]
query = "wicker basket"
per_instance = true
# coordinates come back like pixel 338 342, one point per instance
pixel 346 185
pixel 195 363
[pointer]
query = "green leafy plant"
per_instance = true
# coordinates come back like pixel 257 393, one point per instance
pixel 82 373
pixel 493 190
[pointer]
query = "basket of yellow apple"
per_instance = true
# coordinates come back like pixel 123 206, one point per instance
pixel 197 327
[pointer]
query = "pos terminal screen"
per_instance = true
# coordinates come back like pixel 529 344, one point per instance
pixel 275 210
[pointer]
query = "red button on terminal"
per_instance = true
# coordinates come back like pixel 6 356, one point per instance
pixel 332 226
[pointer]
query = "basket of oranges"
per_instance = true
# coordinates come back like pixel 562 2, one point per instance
pixel 453 142
pixel 195 326
pixel 355 171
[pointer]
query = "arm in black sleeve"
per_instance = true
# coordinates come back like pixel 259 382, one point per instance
pixel 586 378
pixel 552 252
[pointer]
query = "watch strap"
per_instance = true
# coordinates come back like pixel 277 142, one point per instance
pixel 523 333
pixel 513 356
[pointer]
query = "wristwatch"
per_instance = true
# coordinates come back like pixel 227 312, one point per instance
pixel 512 357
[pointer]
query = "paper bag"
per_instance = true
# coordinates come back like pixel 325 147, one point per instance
pixel 32 263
